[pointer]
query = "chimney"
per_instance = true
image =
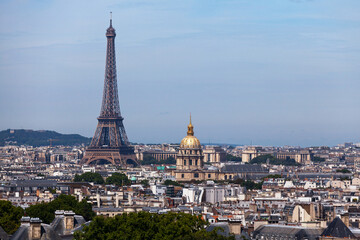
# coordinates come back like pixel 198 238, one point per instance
pixel 59 213
pixel 345 219
pixel 117 200
pixel 98 200
pixel 333 213
pixel 35 228
pixel 25 220
pixel 130 199
pixel 69 221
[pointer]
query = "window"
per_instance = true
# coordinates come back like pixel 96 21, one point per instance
pixel 196 162
pixel 190 162
pixel 209 175
pixel 184 162
pixel 225 177
pixel 196 175
pixel 182 175
pixel 230 177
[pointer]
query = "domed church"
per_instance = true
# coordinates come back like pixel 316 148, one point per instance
pixel 190 163
pixel 190 159
pixel 190 155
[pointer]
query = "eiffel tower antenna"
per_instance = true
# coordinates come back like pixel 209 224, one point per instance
pixel 110 19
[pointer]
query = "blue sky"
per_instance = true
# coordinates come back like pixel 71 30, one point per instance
pixel 267 72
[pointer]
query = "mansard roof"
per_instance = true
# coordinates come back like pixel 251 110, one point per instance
pixel 243 168
pixel 47 233
pixel 337 229
pixel 3 234
pixel 294 232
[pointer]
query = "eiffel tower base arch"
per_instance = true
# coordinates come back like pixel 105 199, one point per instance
pixel 112 156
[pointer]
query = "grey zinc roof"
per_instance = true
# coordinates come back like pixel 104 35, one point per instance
pixel 58 223
pixel 79 228
pixel 338 229
pixel 35 183
pixel 152 209
pixel 245 235
pixel 223 231
pixel 294 232
pixel 21 233
pixel 47 233
pixel 108 209
pixel 3 234
pixel 243 168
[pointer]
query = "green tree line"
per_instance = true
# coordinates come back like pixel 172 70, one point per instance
pixel 10 215
pixel 250 185
pixel 274 161
pixel 233 158
pixel 344 170
pixel 46 211
pixel 148 160
pixel 146 226
pixel 89 177
pixel 119 179
pixel 41 138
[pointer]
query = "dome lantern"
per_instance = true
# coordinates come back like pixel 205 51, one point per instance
pixel 190 141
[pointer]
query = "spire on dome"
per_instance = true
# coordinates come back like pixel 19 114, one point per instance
pixel 190 131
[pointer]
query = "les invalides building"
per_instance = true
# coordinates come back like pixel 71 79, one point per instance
pixel 190 163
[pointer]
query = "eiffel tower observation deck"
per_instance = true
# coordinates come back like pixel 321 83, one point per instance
pixel 110 143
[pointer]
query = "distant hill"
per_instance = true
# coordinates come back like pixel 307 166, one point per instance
pixel 40 138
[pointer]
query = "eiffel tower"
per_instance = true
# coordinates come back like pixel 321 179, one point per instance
pixel 110 143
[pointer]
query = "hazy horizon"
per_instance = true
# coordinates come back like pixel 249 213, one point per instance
pixel 202 143
pixel 269 73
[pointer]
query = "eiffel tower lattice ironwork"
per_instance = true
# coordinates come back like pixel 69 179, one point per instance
pixel 110 143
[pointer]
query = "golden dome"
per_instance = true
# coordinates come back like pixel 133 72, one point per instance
pixel 190 141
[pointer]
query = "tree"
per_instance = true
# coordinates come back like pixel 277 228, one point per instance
pixel 318 159
pixel 274 161
pixel 273 176
pixel 46 211
pixel 41 138
pixel 169 160
pixel 118 179
pixel 145 183
pixel 52 190
pixel 89 177
pixel 344 170
pixel 248 184
pixel 144 225
pixel 148 160
pixel 233 158
pixel 171 182
pixel 10 216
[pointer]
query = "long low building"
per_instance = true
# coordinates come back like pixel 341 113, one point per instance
pixel 300 156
